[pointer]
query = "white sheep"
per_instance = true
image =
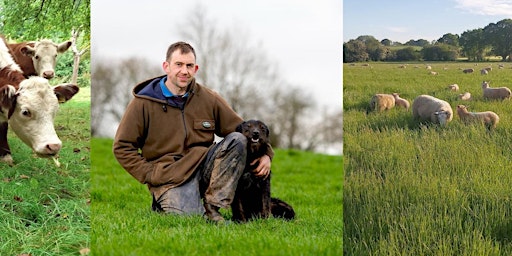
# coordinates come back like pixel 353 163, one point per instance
pixel 468 70
pixel 465 96
pixel 433 73
pixel 495 93
pixel 428 108
pixel 489 118
pixel 400 101
pixel 453 87
pixel 484 72
pixel 381 102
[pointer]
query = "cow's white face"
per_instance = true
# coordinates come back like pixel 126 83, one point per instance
pixel 44 56
pixel 33 115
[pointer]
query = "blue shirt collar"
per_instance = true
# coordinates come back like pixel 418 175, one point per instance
pixel 167 93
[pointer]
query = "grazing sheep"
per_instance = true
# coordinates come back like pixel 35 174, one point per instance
pixel 381 102
pixel 400 101
pixel 428 108
pixel 402 66
pixel 495 93
pixel 484 72
pixel 489 118
pixel 468 70
pixel 465 96
pixel 453 87
pixel 429 67
pixel 433 73
pixel 489 69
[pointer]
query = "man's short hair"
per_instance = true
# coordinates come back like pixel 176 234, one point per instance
pixel 182 46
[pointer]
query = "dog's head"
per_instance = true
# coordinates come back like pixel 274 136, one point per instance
pixel 257 134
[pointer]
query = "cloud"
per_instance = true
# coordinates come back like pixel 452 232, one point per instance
pixel 486 7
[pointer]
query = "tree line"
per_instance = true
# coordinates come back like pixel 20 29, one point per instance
pixel 478 44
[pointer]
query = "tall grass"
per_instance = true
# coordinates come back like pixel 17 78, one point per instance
pixel 123 223
pixel 44 208
pixel 414 189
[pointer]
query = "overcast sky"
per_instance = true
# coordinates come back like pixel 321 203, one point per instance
pixel 403 20
pixel 303 37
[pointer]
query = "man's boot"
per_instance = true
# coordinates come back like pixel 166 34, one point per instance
pixel 212 213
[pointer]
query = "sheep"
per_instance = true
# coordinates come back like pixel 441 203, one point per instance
pixel 484 72
pixel 400 101
pixel 465 96
pixel 453 87
pixel 428 67
pixel 433 73
pixel 489 118
pixel 468 70
pixel 428 108
pixel 489 69
pixel 381 102
pixel 495 93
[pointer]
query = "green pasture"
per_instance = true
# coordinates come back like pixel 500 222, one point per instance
pixel 412 189
pixel 122 222
pixel 44 209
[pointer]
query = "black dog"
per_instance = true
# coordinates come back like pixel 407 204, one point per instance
pixel 252 197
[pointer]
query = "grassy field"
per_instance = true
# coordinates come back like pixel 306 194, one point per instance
pixel 412 189
pixel 123 223
pixel 44 209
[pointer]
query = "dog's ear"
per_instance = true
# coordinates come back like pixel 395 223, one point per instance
pixel 267 131
pixel 239 128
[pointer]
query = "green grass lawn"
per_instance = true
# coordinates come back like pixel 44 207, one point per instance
pixel 123 223
pixel 411 189
pixel 44 209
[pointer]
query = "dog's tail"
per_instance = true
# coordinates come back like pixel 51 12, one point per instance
pixel 281 209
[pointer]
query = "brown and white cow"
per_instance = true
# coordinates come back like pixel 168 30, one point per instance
pixel 38 58
pixel 29 106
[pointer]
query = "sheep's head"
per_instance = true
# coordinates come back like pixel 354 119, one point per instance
pixel 443 117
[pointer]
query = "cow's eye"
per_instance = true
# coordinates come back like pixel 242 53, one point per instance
pixel 26 113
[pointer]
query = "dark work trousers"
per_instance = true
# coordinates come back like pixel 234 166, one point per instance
pixel 215 179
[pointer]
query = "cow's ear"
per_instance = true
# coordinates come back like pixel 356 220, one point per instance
pixel 62 47
pixel 239 127
pixel 28 51
pixel 65 92
pixel 7 99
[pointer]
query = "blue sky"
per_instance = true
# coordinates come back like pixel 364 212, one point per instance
pixel 402 20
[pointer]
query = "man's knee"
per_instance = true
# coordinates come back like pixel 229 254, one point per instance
pixel 237 141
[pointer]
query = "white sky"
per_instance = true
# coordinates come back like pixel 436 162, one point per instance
pixel 303 37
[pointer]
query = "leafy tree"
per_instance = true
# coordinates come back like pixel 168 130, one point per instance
pixel 499 36
pixel 354 51
pixel 473 44
pixel 419 42
pixel 24 20
pixel 374 48
pixel 386 42
pixel 449 39
pixel 407 54
pixel 439 52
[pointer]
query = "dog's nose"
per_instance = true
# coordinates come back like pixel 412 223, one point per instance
pixel 255 134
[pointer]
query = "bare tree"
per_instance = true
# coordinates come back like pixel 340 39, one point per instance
pixel 231 64
pixel 77 54
pixel 112 83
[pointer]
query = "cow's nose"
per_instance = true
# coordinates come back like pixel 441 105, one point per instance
pixel 52 149
pixel 48 74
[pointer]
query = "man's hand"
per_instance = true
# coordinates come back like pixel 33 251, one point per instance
pixel 263 169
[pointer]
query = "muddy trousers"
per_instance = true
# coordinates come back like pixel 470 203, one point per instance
pixel 215 179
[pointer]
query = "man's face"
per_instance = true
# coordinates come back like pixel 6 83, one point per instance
pixel 181 68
